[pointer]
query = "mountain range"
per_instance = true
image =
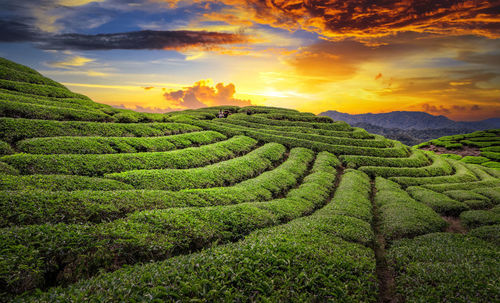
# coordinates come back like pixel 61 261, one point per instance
pixel 412 120
pixel 411 128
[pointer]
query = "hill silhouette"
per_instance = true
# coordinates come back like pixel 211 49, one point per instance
pixel 268 204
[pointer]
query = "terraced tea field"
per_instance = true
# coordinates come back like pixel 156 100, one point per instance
pixel 481 147
pixel 269 205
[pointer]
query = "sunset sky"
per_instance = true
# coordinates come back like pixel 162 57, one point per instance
pixel 354 56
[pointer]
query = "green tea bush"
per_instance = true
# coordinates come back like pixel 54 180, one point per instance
pixel 110 145
pixel 297 117
pixel 493 193
pixel 224 173
pixel 416 159
pixel 461 186
pixel 462 195
pixel 494 149
pixel 352 197
pixel 339 125
pixel 476 218
pixel 462 174
pixel 490 233
pixel 400 215
pixel 75 103
pixel 491 155
pixel 16 66
pixel 98 165
pixel 445 267
pixel 154 234
pixel 300 261
pixel 451 156
pixel 439 167
pixel 8 73
pixel 58 182
pixel 440 203
pixel 36 206
pixel 5 148
pixel 37 89
pixel 474 160
pixel 12 130
pixel 7 169
pixel 356 133
pixel 34 111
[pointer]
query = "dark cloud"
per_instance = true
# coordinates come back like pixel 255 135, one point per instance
pixel 202 94
pixel 168 40
pixel 13 31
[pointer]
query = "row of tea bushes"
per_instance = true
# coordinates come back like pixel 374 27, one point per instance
pixel 38 206
pixel 59 182
pixel 439 167
pixel 224 173
pixel 72 252
pixel 12 130
pixel 98 165
pixel 400 215
pixel 111 145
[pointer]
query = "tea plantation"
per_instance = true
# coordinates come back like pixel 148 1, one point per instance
pixel 485 147
pixel 100 204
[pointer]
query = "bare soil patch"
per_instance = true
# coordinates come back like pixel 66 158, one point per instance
pixel 464 151
pixel 455 225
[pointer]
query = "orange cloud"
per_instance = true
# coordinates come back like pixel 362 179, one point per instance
pixel 148 87
pixel 367 19
pixel 203 94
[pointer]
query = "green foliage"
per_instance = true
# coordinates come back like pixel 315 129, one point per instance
pixel 156 234
pixel 490 233
pixel 224 173
pixel 440 203
pixel 463 195
pixel 16 66
pixel 400 215
pixel 36 207
pixel 352 197
pixel 14 74
pixel 339 125
pixel 12 130
pixel 39 90
pixel 462 174
pixel 5 148
pixel 58 182
pixel 492 192
pixel 445 267
pixel 7 169
pixel 75 103
pixel 416 159
pixel 476 218
pixel 451 156
pixel 34 111
pixel 98 165
pixel 110 145
pixel 474 160
pixel 439 167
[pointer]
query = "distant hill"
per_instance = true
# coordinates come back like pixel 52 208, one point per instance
pixel 411 120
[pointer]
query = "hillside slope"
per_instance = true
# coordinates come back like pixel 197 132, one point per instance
pixel 100 204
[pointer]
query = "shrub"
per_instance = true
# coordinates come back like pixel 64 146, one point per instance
pixel 7 169
pixel 35 111
pixel 461 186
pixel 462 195
pixel 490 233
pixel 36 207
pixel 451 156
pixel 219 174
pixel 439 167
pixel 37 89
pixel 493 193
pixel 12 130
pixel 339 125
pixel 352 197
pixel 474 160
pixel 5 148
pixel 156 234
pixel 13 74
pixel 98 165
pixel 445 267
pixel 491 155
pixel 109 145
pixel 400 215
pixel 476 218
pixel 416 159
pixel 462 174
pixel 58 182
pixel 440 203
